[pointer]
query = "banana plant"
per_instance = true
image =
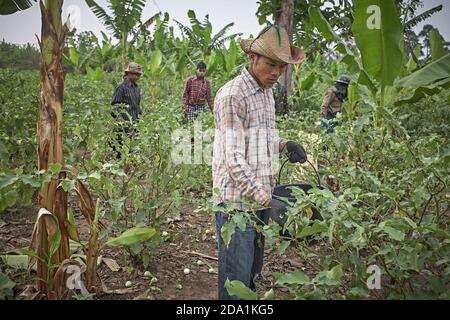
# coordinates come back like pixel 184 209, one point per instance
pixel 51 232
pixel 200 34
pixel 124 21
pixel 78 58
pixel 230 55
pixel 50 147
pixel 10 7
pixel 379 59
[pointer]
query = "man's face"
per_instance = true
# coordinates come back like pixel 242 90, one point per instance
pixel 200 72
pixel 266 71
pixel 134 76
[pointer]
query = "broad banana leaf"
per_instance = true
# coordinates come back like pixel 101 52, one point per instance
pixel 378 34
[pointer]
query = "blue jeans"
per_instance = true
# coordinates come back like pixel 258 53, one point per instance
pixel 243 258
pixel 329 122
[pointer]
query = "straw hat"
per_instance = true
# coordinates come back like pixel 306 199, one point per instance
pixel 133 67
pixel 273 42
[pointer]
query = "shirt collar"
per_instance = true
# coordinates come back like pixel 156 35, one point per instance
pixel 129 83
pixel 251 82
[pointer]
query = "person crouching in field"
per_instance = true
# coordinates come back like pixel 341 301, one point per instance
pixel 197 91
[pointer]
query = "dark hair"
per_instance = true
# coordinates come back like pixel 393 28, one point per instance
pixel 201 65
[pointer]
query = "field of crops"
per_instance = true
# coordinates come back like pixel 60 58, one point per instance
pixel 141 226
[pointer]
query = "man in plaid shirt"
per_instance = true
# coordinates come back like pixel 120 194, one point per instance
pixel 197 90
pixel 244 145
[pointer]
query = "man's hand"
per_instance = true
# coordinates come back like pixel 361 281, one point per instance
pixel 296 152
pixel 277 211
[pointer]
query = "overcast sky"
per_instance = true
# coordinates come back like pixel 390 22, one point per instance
pixel 21 27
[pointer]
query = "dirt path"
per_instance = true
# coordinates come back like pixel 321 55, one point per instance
pixel 188 240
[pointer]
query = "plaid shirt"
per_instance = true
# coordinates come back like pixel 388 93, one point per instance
pixel 196 92
pixel 245 143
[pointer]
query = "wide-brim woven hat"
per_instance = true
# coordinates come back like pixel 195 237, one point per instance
pixel 273 42
pixel 133 67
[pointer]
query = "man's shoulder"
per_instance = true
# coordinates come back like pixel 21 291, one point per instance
pixel 120 84
pixel 190 78
pixel 330 92
pixel 235 88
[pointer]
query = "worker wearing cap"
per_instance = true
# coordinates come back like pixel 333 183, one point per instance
pixel 126 100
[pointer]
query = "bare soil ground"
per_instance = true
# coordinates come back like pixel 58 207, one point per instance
pixel 188 243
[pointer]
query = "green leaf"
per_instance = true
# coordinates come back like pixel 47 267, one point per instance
pixel 321 24
pixel 283 246
pixel 27 252
pixel 6 286
pixel 350 61
pixel 307 83
pixel 54 168
pixel 422 92
pixel 359 292
pixel 411 223
pixel 32 181
pixel 378 34
pixel 317 227
pixel 12 6
pixel 394 233
pixel 361 122
pixel 56 240
pixel 68 185
pixel 432 72
pixel 145 260
pixel 6 180
pixel 227 231
pixel 132 236
pixel 95 175
pixel 70 217
pixel 74 57
pixel 212 63
pixel 330 278
pixel 230 57
pixel 4 152
pixel 155 61
pixel 296 277
pixel 72 228
pixel 136 248
pixel 15 261
pixel 437 45
pixel 268 295
pixel 240 221
pixel 239 289
pixel 364 79
pixel 11 197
